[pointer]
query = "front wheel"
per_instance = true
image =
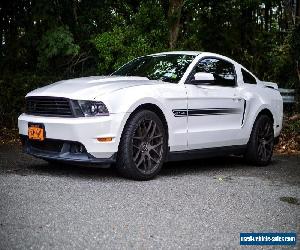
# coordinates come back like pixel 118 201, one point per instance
pixel 260 146
pixel 143 146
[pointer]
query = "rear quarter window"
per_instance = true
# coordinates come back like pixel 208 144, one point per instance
pixel 248 78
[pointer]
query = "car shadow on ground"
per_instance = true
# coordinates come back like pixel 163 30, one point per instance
pixel 199 166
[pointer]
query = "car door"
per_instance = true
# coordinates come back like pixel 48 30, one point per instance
pixel 215 111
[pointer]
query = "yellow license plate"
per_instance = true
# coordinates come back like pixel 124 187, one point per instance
pixel 36 132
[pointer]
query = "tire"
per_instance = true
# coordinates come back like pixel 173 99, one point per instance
pixel 143 147
pixel 260 146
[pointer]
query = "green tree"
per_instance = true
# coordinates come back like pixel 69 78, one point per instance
pixel 55 45
pixel 145 34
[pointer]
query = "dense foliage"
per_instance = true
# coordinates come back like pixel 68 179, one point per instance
pixel 43 41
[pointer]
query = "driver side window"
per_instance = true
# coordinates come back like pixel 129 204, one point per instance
pixel 223 71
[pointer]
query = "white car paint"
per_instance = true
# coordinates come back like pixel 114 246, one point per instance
pixel 122 95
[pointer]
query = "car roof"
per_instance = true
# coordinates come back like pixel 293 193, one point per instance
pixel 193 53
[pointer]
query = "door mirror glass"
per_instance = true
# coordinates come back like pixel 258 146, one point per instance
pixel 203 78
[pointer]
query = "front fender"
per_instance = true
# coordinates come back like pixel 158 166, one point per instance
pixel 165 96
pixel 128 100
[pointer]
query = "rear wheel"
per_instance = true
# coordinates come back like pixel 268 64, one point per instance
pixel 143 146
pixel 260 146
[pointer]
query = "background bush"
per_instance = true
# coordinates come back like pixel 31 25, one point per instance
pixel 45 41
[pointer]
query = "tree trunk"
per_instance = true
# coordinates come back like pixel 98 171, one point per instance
pixel 75 11
pixel 267 16
pixel 246 27
pixel 296 46
pixel 174 14
pixel 297 11
pixel 1 31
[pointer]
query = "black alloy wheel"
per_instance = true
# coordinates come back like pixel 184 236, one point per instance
pixel 147 144
pixel 143 146
pixel 265 138
pixel 260 146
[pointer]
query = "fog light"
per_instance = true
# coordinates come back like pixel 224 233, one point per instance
pixel 105 139
pixel 77 148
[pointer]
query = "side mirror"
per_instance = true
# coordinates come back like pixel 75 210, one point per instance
pixel 203 78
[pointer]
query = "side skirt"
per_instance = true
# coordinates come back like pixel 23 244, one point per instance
pixel 205 153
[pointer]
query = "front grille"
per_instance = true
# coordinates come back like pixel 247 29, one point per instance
pixel 48 106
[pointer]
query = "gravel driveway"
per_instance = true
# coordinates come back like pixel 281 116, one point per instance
pixel 194 204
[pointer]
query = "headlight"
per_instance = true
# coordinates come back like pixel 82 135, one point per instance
pixel 93 108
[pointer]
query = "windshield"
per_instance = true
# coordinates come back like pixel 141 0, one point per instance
pixel 168 67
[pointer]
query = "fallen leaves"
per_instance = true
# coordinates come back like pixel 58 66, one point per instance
pixel 289 142
pixel 9 136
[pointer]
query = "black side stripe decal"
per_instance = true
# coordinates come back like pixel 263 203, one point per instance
pixel 204 112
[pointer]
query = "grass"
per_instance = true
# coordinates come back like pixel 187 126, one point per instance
pixel 290 200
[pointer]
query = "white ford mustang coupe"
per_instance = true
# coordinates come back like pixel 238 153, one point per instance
pixel 156 108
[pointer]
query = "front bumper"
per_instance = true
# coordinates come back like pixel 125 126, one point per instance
pixel 65 151
pixel 83 130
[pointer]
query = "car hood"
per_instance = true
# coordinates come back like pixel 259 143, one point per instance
pixel 87 88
